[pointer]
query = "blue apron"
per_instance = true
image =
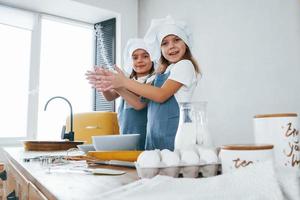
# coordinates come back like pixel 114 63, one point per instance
pixel 163 119
pixel 133 121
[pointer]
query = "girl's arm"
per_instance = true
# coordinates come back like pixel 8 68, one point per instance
pixel 110 95
pixel 153 93
pixel 111 80
pixel 131 98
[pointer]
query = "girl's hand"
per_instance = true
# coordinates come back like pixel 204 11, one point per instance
pixel 93 76
pixel 110 79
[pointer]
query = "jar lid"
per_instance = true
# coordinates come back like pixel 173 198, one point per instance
pixel 276 115
pixel 247 147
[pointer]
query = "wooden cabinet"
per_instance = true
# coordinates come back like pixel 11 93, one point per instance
pixel 1 181
pixel 17 186
pixel 16 182
pixel 34 193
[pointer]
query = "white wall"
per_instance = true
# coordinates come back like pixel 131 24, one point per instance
pixel 249 51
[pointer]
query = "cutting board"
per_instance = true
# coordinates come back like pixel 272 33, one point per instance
pixel 41 145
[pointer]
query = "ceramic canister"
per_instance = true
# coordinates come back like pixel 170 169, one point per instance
pixel 281 130
pixel 234 157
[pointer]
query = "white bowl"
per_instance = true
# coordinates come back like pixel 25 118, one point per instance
pixel 116 142
pixel 86 147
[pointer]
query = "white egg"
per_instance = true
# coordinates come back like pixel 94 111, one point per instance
pixel 189 157
pixel 207 155
pixel 169 158
pixel 149 159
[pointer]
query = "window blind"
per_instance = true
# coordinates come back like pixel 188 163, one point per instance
pixel 105 55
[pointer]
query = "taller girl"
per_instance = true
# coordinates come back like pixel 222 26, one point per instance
pixel 174 83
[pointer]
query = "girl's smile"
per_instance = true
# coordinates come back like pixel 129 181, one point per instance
pixel 142 63
pixel 173 48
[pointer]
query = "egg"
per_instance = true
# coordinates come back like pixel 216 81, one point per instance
pixel 171 161
pixel 149 159
pixel 209 170
pixel 190 159
pixel 207 155
pixel 169 158
pixel 148 164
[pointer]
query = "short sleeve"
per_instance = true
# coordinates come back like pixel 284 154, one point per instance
pixel 183 72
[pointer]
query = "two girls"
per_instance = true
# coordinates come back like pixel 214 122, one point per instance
pixel 174 82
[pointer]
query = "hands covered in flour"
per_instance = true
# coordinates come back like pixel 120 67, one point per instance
pixel 104 80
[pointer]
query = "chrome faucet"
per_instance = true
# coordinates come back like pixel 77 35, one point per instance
pixel 69 135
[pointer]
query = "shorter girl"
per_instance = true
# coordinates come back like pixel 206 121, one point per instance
pixel 138 64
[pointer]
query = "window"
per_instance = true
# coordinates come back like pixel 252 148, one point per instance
pixel 14 78
pixel 43 56
pixel 66 54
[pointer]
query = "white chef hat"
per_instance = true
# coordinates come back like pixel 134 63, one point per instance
pixel 160 28
pixel 132 45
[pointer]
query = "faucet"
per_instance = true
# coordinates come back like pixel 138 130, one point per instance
pixel 69 135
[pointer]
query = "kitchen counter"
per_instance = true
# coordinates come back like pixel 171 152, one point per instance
pixel 62 183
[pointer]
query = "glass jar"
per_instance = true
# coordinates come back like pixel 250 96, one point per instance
pixel 192 128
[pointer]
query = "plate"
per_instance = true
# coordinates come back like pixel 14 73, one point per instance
pixel 50 145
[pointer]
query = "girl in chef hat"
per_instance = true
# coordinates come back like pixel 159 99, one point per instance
pixel 140 68
pixel 174 82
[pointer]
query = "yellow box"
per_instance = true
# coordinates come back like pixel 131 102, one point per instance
pixel 86 125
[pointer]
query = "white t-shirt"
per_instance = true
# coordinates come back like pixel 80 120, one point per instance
pixel 183 72
pixel 145 79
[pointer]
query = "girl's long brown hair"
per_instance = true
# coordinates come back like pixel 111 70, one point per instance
pixel 188 56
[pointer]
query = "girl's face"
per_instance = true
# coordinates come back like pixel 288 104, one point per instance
pixel 142 63
pixel 173 48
